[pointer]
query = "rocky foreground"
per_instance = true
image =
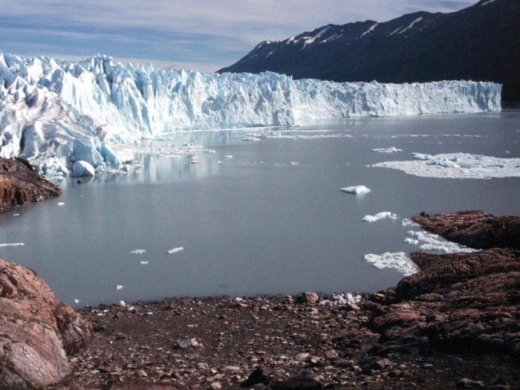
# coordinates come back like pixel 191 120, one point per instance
pixel 19 184
pixel 455 324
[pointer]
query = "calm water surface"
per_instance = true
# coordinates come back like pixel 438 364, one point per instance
pixel 270 220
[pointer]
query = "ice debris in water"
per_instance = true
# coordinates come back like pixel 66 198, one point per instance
pixel 398 261
pixel 378 216
pixel 119 287
pixel 456 166
pixel 356 190
pixel 61 203
pixel 390 150
pixel 144 262
pixel 175 250
pixel 76 301
pixel 433 243
pixel 56 112
pixel 138 251
pixel 12 244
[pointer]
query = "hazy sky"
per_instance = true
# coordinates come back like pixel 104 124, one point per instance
pixel 199 34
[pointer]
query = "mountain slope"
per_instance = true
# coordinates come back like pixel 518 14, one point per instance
pixel 481 42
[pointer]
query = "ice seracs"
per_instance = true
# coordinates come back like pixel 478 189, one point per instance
pixel 56 112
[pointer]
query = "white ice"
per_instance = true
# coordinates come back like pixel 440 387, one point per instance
pixel 119 287
pixel 398 261
pixel 175 250
pixel 390 150
pixel 457 166
pixel 356 190
pixel 433 243
pixel 378 216
pixel 12 244
pixel 56 112
pixel 138 251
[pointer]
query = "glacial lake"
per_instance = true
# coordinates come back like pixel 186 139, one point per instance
pixel 264 216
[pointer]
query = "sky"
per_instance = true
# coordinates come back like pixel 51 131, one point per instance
pixel 200 34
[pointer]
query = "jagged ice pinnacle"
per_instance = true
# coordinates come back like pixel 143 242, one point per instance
pixel 56 112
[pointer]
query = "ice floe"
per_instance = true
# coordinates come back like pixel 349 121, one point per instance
pixel 356 190
pixel 390 150
pixel 398 261
pixel 433 243
pixel 378 216
pixel 138 251
pixel 119 287
pixel 175 250
pixel 12 244
pixel 457 166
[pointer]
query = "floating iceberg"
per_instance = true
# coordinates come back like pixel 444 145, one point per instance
pixel 378 216
pixel 457 166
pixel 356 190
pixel 175 250
pixel 12 244
pixel 56 112
pixel 389 150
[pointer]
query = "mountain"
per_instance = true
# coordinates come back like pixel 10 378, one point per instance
pixel 481 42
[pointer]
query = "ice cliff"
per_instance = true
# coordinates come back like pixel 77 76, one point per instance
pixel 56 112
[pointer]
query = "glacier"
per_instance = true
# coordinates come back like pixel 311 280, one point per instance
pixel 57 112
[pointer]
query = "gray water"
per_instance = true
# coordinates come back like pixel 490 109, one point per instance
pixel 271 220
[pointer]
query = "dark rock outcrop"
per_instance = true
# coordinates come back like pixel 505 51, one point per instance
pixel 475 229
pixel 459 301
pixel 20 184
pixel 36 330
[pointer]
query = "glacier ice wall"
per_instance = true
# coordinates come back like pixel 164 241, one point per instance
pixel 57 112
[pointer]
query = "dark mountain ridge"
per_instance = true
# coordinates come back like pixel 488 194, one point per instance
pixel 480 43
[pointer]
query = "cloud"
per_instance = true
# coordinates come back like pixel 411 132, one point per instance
pixel 212 34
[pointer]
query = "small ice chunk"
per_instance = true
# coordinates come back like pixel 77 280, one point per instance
pixel 411 241
pixel 295 163
pixel 138 251
pixel 408 222
pixel 175 250
pixel 122 303
pixel 16 215
pixel 392 149
pixel 398 261
pixel 76 301
pixel 144 262
pixel 119 287
pixel 356 190
pixel 228 156
pixel 61 204
pixel 12 244
pixel 378 216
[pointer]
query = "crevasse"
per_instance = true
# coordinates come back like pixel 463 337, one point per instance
pixel 57 112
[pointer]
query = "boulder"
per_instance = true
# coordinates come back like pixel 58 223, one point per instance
pixel 36 330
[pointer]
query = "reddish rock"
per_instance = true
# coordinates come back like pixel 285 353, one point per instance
pixel 36 330
pixel 475 229
pixel 20 184
pixel 460 301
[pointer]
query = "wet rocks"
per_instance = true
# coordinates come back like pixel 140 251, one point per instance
pixel 36 330
pixel 475 228
pixel 19 184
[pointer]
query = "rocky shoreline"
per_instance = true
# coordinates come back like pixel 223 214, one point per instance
pixel 454 324
pixel 20 184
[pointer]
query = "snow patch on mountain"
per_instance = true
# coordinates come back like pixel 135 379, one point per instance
pixel 56 112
